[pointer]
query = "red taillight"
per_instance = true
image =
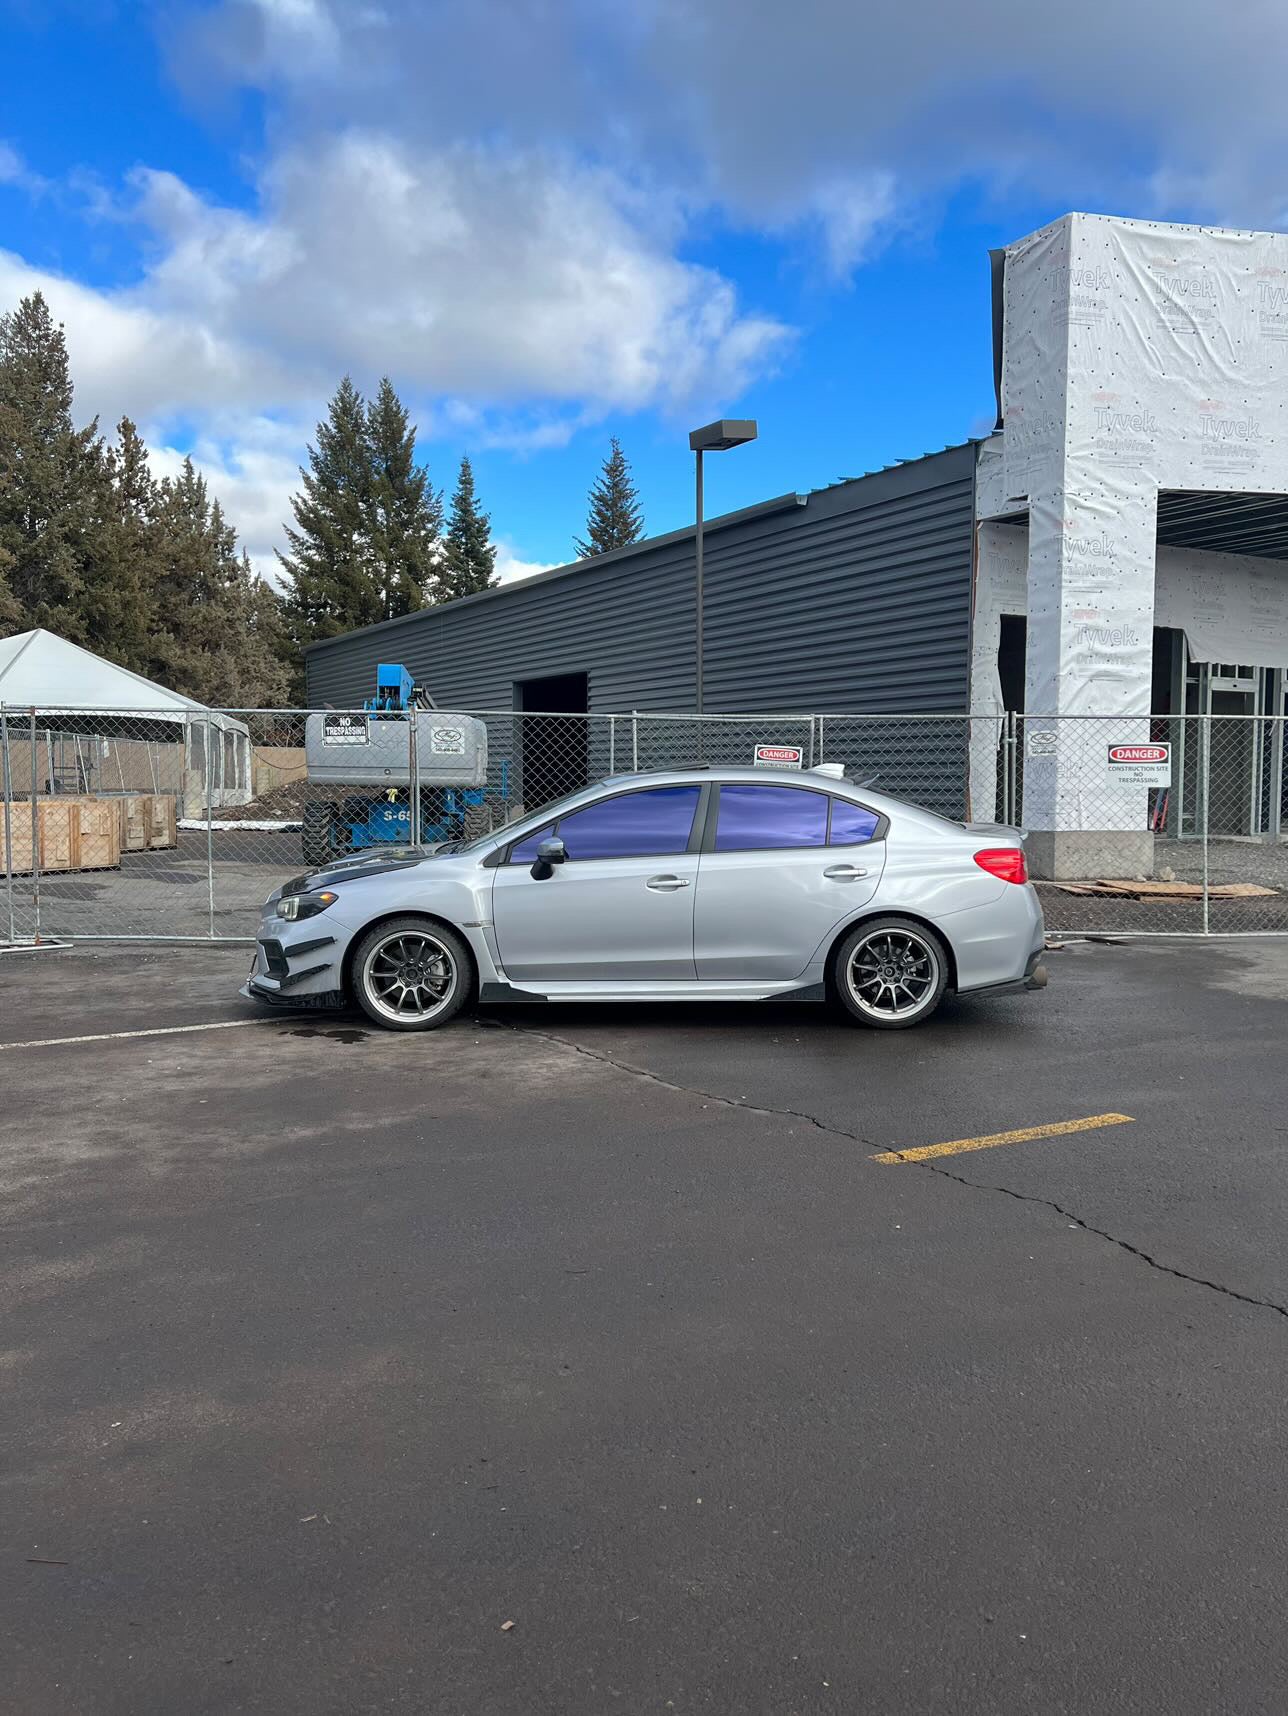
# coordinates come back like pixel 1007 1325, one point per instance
pixel 1004 862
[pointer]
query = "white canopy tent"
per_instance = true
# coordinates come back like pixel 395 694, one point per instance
pixel 86 712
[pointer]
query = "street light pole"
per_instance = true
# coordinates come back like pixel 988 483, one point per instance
pixel 713 438
pixel 697 588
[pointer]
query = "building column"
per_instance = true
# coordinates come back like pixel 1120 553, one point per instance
pixel 1088 669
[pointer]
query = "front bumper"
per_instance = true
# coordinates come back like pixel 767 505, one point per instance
pixel 324 1000
pixel 300 973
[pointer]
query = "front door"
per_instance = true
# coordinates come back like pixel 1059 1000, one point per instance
pixel 619 909
pixel 789 865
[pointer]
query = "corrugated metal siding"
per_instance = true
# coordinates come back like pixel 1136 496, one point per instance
pixel 857 601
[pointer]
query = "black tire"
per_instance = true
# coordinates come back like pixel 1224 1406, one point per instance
pixel 884 959
pixel 390 952
pixel 477 821
pixel 317 836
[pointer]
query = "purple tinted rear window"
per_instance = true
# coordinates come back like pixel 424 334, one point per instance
pixel 752 818
pixel 851 823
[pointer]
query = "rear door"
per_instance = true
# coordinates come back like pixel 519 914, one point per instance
pixel 784 866
pixel 621 907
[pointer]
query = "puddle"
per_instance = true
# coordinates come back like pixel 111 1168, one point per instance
pixel 336 1034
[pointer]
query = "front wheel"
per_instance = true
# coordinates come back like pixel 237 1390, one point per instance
pixel 890 973
pixel 411 975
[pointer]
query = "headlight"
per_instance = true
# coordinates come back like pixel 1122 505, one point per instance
pixel 295 906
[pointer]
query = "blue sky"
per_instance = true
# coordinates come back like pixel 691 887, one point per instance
pixel 551 221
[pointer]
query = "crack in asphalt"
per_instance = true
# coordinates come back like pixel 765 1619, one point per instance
pixel 1135 1251
pixel 671 1084
pixel 1101 1233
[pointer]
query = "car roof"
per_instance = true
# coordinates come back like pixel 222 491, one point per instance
pixel 740 772
pixel 731 772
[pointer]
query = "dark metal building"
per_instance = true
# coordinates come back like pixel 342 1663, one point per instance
pixel 850 599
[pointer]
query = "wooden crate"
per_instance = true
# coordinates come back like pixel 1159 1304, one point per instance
pixel 100 834
pixel 135 813
pixel 75 834
pixel 59 833
pixel 19 836
pixel 163 821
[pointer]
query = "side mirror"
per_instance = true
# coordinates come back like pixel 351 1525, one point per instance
pixel 550 852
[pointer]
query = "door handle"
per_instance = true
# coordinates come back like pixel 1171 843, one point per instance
pixel 666 884
pixel 844 873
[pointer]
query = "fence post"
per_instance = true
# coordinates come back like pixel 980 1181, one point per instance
pixel 1205 748
pixel 1010 752
pixel 6 785
pixel 35 830
pixel 822 754
pixel 210 827
pixel 635 741
pixel 413 775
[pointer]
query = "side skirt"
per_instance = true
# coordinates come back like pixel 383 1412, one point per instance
pixel 679 990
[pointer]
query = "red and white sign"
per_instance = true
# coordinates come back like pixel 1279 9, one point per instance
pixel 1141 765
pixel 779 756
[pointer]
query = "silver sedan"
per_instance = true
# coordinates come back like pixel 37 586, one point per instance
pixel 717 884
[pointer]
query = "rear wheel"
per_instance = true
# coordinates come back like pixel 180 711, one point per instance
pixel 317 837
pixel 890 973
pixel 411 975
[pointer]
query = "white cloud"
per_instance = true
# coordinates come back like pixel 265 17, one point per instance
pixel 757 114
pixel 522 295
pixel 496 277
pixel 510 567
pixel 15 171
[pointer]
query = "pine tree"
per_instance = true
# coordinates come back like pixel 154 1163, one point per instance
pixel 332 589
pixel 119 564
pixel 405 515
pixel 469 557
pixel 218 637
pixel 46 471
pixel 615 519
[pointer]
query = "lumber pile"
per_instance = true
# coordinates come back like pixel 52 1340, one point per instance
pixel 84 833
pixel 1164 891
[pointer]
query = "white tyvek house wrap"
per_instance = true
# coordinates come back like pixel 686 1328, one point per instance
pixel 1231 607
pixel 1136 356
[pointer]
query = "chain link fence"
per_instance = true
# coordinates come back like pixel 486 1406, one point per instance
pixel 150 826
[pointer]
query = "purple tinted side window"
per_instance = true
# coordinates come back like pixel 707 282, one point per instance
pixel 526 851
pixel 632 825
pixel 851 823
pixel 752 818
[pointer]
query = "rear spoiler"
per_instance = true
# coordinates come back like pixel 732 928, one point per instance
pixel 995 828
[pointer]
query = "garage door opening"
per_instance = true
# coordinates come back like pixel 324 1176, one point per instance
pixel 553 745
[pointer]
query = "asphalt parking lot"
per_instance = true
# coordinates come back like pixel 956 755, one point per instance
pixel 330 1354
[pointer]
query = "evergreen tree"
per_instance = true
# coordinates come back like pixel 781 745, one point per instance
pixel 119 564
pixel 46 472
pixel 10 611
pixel 405 515
pixel 332 589
pixel 218 636
pixel 469 557
pixel 615 519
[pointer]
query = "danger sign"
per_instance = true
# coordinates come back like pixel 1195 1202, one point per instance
pixel 778 756
pixel 1141 765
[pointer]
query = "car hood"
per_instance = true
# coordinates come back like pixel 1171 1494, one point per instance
pixel 361 865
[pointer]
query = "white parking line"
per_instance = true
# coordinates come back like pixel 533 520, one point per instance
pixel 156 1031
